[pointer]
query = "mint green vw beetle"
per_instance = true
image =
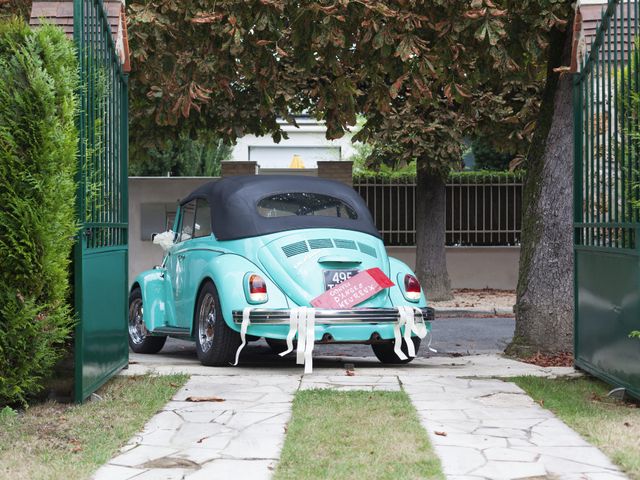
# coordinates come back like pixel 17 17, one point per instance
pixel 257 248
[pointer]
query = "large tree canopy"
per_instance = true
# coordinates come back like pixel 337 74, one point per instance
pixel 418 70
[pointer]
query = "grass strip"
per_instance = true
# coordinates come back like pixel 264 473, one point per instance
pixel 53 441
pixel 356 435
pixel 611 425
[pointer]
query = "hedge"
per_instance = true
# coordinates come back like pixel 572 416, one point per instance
pixel 464 176
pixel 38 143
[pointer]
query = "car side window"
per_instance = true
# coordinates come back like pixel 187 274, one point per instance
pixel 187 214
pixel 202 226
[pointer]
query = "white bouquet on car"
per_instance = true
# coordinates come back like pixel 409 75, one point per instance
pixel 164 239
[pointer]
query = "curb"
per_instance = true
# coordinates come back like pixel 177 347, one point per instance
pixel 473 312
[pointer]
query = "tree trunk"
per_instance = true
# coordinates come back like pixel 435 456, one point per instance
pixel 544 306
pixel 431 261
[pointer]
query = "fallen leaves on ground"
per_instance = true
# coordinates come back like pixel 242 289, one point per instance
pixel 564 359
pixel 487 298
pixel 442 434
pixel 205 399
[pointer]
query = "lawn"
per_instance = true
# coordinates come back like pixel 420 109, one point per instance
pixel 52 441
pixel 611 425
pixel 356 435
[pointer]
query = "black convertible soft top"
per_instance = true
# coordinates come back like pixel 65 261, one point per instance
pixel 234 210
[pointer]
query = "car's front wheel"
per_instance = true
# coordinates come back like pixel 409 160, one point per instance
pixel 216 343
pixel 139 339
pixel 384 351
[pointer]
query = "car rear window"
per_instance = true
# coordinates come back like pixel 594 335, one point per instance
pixel 304 204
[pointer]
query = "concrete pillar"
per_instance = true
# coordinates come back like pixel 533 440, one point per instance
pixel 233 168
pixel 341 171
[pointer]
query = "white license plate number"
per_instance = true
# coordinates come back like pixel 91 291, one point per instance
pixel 336 277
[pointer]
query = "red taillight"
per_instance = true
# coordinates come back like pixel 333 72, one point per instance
pixel 411 287
pixel 257 288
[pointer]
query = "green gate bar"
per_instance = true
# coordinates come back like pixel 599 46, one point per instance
pixel 101 253
pixel 607 201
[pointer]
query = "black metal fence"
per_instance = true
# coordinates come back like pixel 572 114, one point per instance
pixel 481 210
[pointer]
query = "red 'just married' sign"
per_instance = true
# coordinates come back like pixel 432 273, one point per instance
pixel 356 290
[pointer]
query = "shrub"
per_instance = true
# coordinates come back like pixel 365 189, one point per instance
pixel 464 176
pixel 487 157
pixel 200 156
pixel 38 142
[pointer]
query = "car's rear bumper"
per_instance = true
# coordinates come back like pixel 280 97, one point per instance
pixel 357 316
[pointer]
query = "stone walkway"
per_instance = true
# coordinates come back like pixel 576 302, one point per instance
pixel 490 429
pixel 481 428
pixel 237 436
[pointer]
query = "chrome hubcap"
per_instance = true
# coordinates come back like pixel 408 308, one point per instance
pixel 206 322
pixel 137 329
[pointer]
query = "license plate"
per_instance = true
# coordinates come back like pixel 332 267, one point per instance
pixel 336 277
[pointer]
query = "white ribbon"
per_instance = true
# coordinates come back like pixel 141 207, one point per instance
pixel 310 320
pixel 397 337
pixel 302 335
pixel 413 322
pixel 302 322
pixel 429 344
pixel 293 329
pixel 243 332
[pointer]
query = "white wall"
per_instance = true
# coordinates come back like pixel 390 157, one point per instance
pixel 308 140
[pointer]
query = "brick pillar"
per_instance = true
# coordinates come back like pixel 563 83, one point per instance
pixel 341 171
pixel 233 168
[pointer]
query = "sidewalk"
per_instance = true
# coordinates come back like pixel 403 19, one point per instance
pixel 493 429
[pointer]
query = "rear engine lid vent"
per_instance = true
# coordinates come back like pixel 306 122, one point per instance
pixel 295 248
pixel 366 249
pixel 317 243
pixel 348 244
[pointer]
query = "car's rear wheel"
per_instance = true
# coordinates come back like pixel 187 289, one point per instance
pixel 139 339
pixel 216 343
pixel 384 351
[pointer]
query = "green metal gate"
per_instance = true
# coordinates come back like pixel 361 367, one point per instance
pixel 607 201
pixel 101 254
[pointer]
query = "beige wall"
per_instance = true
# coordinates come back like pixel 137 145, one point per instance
pixel 473 267
pixel 469 267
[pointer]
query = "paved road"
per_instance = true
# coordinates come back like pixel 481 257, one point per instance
pixel 465 336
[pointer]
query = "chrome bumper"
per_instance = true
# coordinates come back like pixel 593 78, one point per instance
pixel 367 316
